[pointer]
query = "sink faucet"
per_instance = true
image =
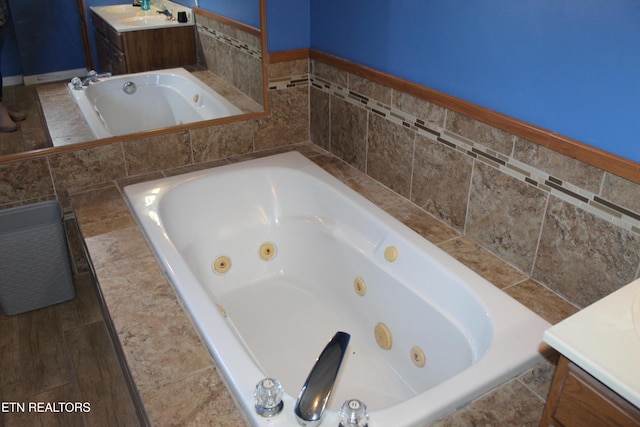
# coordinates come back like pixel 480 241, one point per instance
pixel 91 77
pixel 166 12
pixel 317 388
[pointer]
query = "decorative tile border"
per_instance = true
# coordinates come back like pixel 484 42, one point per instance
pixel 588 201
pixel 289 82
pixel 225 38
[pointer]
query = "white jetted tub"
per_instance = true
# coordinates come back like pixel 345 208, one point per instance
pixel 272 256
pixel 133 103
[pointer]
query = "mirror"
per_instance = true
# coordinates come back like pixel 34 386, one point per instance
pixel 27 96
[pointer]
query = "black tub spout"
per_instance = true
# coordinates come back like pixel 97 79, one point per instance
pixel 316 390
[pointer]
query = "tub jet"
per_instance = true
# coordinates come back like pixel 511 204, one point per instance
pixel 267 251
pixel 417 356
pixel 383 336
pixel 391 253
pixel 360 286
pixel 222 264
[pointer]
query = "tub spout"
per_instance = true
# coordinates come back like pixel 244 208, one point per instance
pixel 317 388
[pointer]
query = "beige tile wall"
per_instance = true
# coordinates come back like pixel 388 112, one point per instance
pixel 232 54
pixel 567 224
pixel 50 177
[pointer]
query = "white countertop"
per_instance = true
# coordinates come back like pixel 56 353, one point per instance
pixel 126 17
pixel 604 340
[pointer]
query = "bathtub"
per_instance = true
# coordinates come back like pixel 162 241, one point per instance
pixel 305 256
pixel 161 99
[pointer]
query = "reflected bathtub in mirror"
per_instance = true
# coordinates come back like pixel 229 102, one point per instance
pixel 139 102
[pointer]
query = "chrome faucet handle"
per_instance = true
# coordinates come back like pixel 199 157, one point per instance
pixel 268 396
pixel 77 83
pixel 316 390
pixel 353 413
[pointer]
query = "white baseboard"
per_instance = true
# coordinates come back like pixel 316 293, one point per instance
pixel 12 80
pixel 54 77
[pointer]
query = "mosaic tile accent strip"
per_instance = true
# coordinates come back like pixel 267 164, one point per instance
pixel 588 201
pixel 225 38
pixel 289 82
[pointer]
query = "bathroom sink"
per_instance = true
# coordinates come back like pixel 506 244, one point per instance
pixel 144 21
pixel 604 340
pixel 121 9
pixel 125 17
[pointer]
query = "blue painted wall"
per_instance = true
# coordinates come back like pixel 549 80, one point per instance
pixel 47 35
pixel 569 66
pixel 245 11
pixel 10 56
pixel 288 25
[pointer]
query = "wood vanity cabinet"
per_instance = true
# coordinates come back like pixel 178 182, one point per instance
pixel 144 50
pixel 578 399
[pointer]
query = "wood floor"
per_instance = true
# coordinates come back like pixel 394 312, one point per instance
pixel 59 354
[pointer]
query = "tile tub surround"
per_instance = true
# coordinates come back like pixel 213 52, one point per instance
pixel 147 314
pixel 173 372
pixel 232 51
pixel 66 125
pixel 64 121
pixel 565 223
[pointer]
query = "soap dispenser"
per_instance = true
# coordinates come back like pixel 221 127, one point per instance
pixel 146 4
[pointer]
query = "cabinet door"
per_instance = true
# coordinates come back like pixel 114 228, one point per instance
pixel 99 24
pixel 102 48
pixel 578 399
pixel 118 62
pixel 159 48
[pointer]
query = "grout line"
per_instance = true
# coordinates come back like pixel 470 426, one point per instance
pixel 467 212
pixel 539 239
pixel 527 278
pixel 531 390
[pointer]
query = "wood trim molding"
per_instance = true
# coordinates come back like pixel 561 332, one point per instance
pixel 44 152
pixel 608 162
pixel 288 55
pixel 230 22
